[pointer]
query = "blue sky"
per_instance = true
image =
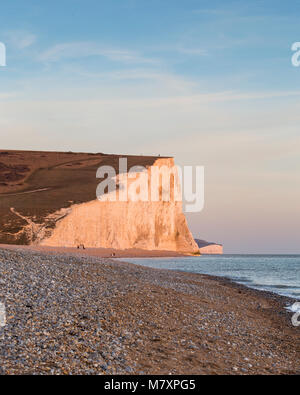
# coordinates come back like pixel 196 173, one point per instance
pixel 213 45
pixel 210 82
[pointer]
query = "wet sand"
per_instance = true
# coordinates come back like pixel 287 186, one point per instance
pixel 81 314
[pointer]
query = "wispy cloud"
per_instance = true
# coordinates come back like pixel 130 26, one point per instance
pixel 20 39
pixel 76 50
pixel 193 51
pixel 211 11
pixel 9 95
pixel 170 81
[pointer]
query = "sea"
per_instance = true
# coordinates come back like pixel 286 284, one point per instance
pixel 279 274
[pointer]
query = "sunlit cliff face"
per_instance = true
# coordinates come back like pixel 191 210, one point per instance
pixel 150 225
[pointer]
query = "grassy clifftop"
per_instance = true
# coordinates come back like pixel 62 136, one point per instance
pixel 36 184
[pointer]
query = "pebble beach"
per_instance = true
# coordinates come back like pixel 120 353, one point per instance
pixel 71 314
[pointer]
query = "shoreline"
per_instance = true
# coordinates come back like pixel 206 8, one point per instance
pixel 282 300
pixel 287 301
pixel 133 253
pixel 112 317
pixel 288 298
pixel 98 252
pixel 145 254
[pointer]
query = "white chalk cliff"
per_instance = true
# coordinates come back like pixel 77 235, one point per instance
pixel 149 225
pixel 209 248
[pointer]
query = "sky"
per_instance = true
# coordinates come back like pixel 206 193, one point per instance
pixel 208 82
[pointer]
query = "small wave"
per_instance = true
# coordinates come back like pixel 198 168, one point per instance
pixel 295 308
pixel 242 280
pixel 278 286
pixel 296 294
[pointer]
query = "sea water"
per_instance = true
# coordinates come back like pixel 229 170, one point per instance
pixel 279 274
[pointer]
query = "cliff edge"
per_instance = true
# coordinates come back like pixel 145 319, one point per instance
pixel 50 199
